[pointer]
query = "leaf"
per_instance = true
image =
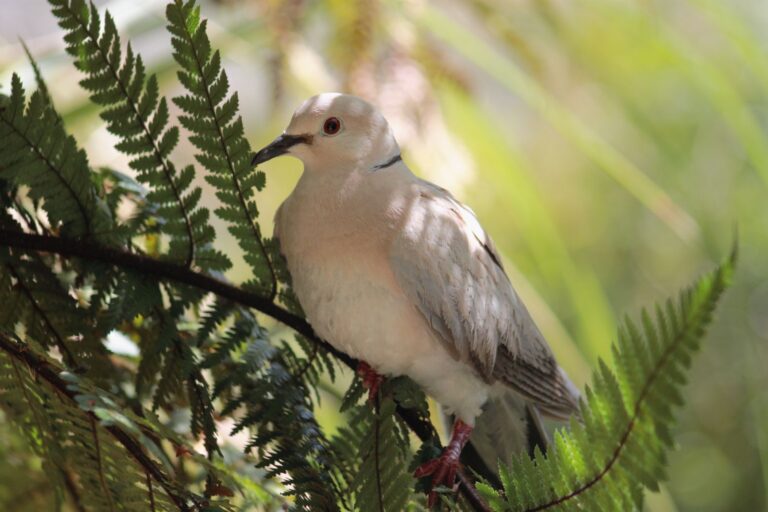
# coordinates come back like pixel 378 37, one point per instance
pixel 38 153
pixel 135 112
pixel 604 462
pixel 217 132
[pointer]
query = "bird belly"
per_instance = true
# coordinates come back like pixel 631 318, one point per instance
pixel 372 320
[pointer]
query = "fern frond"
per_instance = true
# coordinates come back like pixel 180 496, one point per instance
pixel 84 433
pixel 217 131
pixel 273 386
pixel 373 458
pixel 628 414
pixel 39 80
pixel 32 296
pixel 37 302
pixel 135 112
pixel 37 152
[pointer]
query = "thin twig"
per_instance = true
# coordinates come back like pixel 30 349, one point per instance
pixel 74 494
pixel 470 493
pixel 150 491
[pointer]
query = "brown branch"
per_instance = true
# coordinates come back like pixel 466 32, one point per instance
pixel 163 270
pixel 470 493
pixel 43 369
pixel 166 270
pixel 74 494
pixel 150 492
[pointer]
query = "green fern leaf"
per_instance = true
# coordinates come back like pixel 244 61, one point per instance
pixel 605 462
pixel 38 153
pixel 218 133
pixel 39 80
pixel 78 428
pixel 135 112
pixel 273 386
pixel 376 458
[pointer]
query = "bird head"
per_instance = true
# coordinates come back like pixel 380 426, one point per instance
pixel 334 131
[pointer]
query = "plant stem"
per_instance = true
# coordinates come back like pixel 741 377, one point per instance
pixel 174 272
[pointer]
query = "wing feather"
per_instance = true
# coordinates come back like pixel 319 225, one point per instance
pixel 449 267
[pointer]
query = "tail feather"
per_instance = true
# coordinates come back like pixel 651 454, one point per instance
pixel 508 425
pixel 512 423
pixel 567 404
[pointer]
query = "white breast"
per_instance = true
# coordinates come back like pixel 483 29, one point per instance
pixel 342 276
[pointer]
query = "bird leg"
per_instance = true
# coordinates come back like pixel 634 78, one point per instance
pixel 371 379
pixel 443 469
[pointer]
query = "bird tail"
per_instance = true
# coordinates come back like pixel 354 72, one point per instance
pixel 567 402
pixel 508 425
pixel 512 423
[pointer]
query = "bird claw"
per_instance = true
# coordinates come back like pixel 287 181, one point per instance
pixel 443 470
pixel 371 380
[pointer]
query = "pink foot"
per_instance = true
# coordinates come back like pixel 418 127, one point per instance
pixel 444 468
pixel 371 379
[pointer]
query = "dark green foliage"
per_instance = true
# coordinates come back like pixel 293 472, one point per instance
pixel 134 111
pixel 136 432
pixel 32 295
pixel 375 459
pixel 77 429
pixel 273 387
pixel 42 87
pixel 39 154
pixel 605 462
pixel 217 131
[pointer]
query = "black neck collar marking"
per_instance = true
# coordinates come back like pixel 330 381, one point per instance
pixel 388 163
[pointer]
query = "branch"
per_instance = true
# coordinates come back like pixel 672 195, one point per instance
pixel 164 270
pixel 44 370
pixel 174 272
pixel 470 493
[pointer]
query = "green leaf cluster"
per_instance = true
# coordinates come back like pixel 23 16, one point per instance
pixel 38 154
pixel 621 445
pixel 373 454
pixel 135 112
pixel 79 430
pixel 210 113
pixel 273 386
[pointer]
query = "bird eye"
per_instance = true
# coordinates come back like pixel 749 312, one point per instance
pixel 331 126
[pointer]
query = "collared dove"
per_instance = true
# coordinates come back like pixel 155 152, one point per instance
pixel 394 271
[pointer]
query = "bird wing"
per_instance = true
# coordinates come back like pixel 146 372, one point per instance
pixel 448 266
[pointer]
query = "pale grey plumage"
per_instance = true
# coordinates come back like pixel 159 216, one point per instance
pixel 393 270
pixel 452 272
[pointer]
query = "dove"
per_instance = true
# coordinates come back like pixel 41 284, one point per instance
pixel 394 271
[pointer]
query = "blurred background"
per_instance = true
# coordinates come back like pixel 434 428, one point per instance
pixel 610 147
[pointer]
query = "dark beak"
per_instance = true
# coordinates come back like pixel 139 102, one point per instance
pixel 279 146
